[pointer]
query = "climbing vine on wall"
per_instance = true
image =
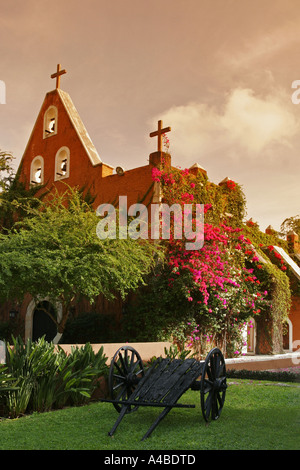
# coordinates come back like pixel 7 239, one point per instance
pixel 226 201
pixel 209 295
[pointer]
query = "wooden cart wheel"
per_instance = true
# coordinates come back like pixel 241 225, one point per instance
pixel 126 369
pixel 213 385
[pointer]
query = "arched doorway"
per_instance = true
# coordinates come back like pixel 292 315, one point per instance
pixel 287 337
pixel 42 323
pixel 36 323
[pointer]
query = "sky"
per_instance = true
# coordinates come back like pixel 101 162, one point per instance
pixel 218 72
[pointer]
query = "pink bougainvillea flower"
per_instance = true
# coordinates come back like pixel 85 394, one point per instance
pixel 156 174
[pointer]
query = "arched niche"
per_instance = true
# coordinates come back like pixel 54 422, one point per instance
pixel 50 122
pixel 62 164
pixel 37 171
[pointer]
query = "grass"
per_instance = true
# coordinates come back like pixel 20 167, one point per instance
pixel 256 416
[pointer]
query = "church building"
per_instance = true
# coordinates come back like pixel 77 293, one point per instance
pixel 60 152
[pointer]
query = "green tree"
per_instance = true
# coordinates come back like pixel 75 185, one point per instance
pixel 56 253
pixel 291 223
pixel 6 171
pixel 14 196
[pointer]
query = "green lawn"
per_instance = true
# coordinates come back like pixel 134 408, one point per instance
pixel 255 416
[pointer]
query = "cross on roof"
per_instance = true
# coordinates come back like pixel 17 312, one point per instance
pixel 159 134
pixel 57 75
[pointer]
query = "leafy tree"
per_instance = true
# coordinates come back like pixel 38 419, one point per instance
pixel 6 171
pixel 291 223
pixel 56 253
pixel 14 196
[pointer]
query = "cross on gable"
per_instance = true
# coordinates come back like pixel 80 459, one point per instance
pixel 58 74
pixel 159 133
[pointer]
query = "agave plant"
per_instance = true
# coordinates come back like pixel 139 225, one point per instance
pixel 86 366
pixel 45 377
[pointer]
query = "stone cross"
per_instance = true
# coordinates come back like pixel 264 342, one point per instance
pixel 159 133
pixel 57 75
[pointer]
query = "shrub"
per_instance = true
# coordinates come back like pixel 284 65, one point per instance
pixel 276 375
pixel 47 377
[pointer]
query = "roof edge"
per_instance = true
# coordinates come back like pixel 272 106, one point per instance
pixel 79 127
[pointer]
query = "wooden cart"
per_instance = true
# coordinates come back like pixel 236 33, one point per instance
pixel 164 383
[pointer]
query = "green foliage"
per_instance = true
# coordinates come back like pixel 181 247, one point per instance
pixel 291 223
pixel 157 313
pixel 271 319
pixel 6 381
pixel 56 253
pixel 174 353
pixel 16 199
pixel 227 200
pixel 46 377
pixel 277 284
pixel 272 375
pixel 6 171
pixel 259 238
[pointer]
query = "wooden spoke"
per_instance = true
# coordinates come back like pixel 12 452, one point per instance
pixel 126 369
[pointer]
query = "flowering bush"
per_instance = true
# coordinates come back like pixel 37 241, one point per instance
pixel 209 296
pixel 280 261
pixel 166 143
pixel 219 284
pixel 206 296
